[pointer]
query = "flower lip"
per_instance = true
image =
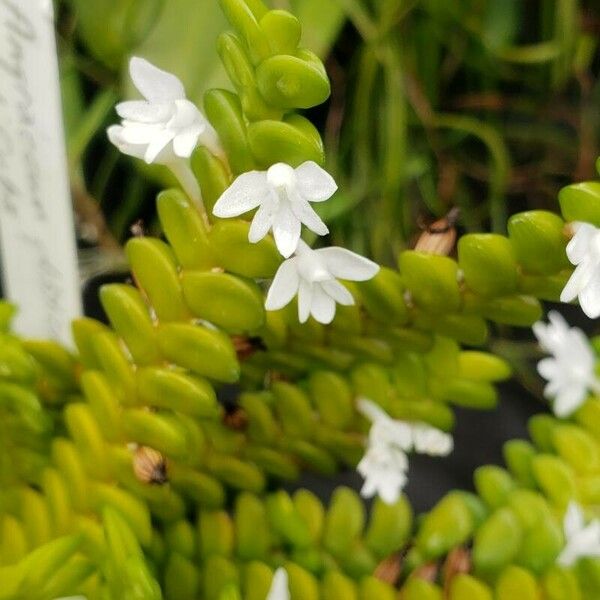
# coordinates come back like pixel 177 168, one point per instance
pixel 311 266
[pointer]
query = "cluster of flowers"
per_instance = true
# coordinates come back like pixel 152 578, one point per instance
pixel 165 128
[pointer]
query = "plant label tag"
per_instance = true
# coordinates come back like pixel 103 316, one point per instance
pixel 37 240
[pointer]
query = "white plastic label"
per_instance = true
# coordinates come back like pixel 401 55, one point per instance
pixel 37 242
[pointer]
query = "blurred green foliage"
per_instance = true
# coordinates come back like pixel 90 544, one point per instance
pixel 489 105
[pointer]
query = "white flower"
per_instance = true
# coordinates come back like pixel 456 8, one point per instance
pixel 165 127
pixel 555 335
pixel 385 464
pixel 584 252
pixel 570 371
pixel 279 587
pixel 312 275
pixel 283 196
pixel 582 541
pixel 383 468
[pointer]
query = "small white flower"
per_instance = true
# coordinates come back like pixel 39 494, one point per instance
pixel 279 587
pixel 584 252
pixel 165 127
pixel 383 468
pixel 570 372
pixel 283 196
pixel 312 275
pixel 581 541
pixel 385 464
pixel 553 336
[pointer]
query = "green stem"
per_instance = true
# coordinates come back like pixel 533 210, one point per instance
pixel 499 156
pixel 88 126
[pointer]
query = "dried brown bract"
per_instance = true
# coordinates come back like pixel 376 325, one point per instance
pixel 458 561
pixel 245 346
pixel 138 229
pixel 390 568
pixel 428 572
pixel 440 236
pixel 150 466
pixel 236 418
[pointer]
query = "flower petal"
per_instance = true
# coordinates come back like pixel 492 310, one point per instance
pixel 279 589
pixel 322 306
pixel 145 112
pixel 369 487
pixel 391 487
pixel 261 223
pixel 286 230
pixel 371 410
pixel 589 539
pixel 115 135
pixel 393 433
pixel 589 297
pixel 314 183
pixel 431 441
pixel 141 133
pixel 578 281
pixel 568 557
pixel 579 245
pixel 153 83
pixel 305 293
pixel 209 138
pixel 345 264
pixel 285 285
pixel 548 368
pixel 185 142
pixel 247 192
pixel 338 292
pixel 569 399
pixel 573 520
pixel 186 116
pixel 307 215
pixel 157 144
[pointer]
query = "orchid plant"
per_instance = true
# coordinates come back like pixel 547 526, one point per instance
pixel 123 475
